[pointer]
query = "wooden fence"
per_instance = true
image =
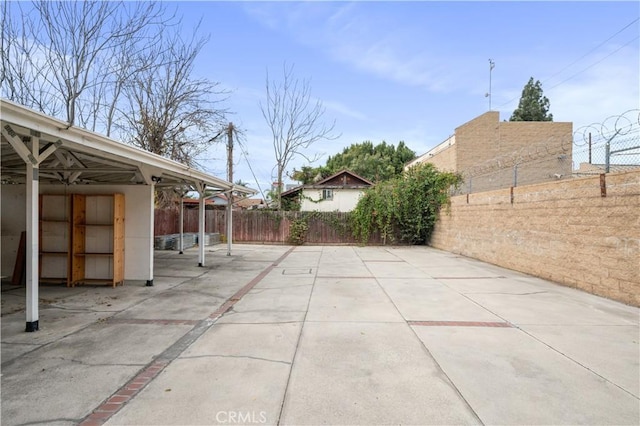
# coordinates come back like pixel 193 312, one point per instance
pixel 261 226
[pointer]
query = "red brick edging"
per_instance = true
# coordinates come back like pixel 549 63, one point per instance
pixel 114 403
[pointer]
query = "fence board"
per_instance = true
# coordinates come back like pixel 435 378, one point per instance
pixel 262 226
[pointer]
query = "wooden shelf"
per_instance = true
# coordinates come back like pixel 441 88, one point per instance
pixel 54 238
pixel 97 242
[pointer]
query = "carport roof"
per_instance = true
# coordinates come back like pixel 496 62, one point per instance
pixel 72 155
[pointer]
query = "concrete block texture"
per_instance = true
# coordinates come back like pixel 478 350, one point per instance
pixel 565 231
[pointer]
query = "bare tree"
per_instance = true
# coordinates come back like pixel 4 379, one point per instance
pixel 61 50
pixel 119 68
pixel 22 79
pixel 170 112
pixel 295 120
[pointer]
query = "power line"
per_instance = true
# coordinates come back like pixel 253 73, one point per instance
pixel 244 153
pixel 594 64
pixel 583 56
pixel 592 50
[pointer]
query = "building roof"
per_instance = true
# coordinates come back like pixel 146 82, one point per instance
pixel 72 155
pixel 246 203
pixel 344 179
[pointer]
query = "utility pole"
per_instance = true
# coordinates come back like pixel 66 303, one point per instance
pixel 230 130
pixel 491 67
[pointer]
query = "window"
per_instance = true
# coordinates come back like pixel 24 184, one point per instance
pixel 327 194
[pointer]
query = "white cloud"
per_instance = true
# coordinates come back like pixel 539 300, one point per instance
pixel 342 109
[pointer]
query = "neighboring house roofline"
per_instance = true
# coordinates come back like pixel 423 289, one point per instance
pixel 367 181
pixel 320 184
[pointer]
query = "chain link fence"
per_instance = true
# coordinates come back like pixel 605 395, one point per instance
pixel 610 146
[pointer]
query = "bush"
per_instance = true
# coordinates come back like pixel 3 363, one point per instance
pixel 404 209
pixel 298 231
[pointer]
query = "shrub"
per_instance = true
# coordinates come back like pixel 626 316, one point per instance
pixel 406 208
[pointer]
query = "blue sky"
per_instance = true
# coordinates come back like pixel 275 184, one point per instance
pixel 414 71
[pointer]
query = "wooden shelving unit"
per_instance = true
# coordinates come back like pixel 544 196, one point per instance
pixel 97 242
pixel 54 238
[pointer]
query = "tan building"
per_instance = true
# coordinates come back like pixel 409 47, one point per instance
pixel 491 154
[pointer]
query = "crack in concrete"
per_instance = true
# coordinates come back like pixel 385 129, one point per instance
pixel 92 364
pixel 262 289
pixel 236 356
pixel 49 421
pixel 65 308
pixel 19 343
pixel 251 311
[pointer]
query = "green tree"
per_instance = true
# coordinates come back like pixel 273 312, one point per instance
pixel 374 162
pixel 308 175
pixel 533 106
pixel 405 208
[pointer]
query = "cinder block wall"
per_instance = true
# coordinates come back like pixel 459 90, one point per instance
pixel 542 151
pixel 478 141
pixel 563 231
pixel 445 160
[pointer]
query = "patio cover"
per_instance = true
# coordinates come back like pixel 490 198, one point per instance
pixel 37 148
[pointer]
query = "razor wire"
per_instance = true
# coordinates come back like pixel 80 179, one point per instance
pixel 610 146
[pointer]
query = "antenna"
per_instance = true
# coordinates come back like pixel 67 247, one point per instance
pixel 488 95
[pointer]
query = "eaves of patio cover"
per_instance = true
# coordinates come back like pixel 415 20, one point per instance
pixel 36 148
pixel 71 155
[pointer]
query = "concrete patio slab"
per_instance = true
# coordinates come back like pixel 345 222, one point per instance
pixel 346 299
pixel 270 305
pixel 233 371
pixel 102 343
pixel 366 374
pixel 510 378
pixel 490 285
pixel 65 391
pixel 177 304
pixel 321 335
pixel 592 347
pixel 548 308
pixel 428 300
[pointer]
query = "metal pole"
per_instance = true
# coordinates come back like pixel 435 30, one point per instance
pixel 589 147
pixel 607 154
pixel 201 225
pixel 491 66
pixel 230 193
pixel 181 223
pixel 515 175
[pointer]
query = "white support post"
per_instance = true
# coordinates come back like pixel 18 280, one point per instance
pixel 201 224
pixel 181 223
pixel 201 187
pixel 152 205
pixel 32 276
pixel 229 222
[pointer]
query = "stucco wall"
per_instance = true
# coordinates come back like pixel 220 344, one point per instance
pixel 563 231
pixel 344 200
pixel 138 223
